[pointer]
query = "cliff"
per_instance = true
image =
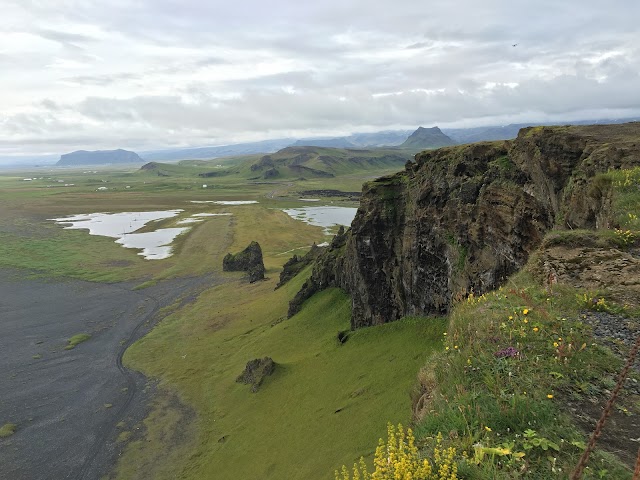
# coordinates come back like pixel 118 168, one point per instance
pixel 462 219
pixel 99 157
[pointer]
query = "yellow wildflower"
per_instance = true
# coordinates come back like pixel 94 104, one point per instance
pixel 535 329
pixel 525 311
pixel 549 396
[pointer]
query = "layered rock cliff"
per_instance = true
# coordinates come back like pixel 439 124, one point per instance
pixel 462 219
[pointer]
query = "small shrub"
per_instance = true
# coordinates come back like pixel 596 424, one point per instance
pixel 399 459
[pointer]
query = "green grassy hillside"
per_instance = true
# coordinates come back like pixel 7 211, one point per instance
pixel 312 162
pixel 322 406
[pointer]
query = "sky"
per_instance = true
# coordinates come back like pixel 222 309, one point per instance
pixel 149 74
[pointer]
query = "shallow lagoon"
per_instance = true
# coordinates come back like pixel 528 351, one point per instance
pixel 114 224
pixel 323 216
pixel 155 245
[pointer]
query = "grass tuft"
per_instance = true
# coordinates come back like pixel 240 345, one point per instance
pixel 8 429
pixel 77 339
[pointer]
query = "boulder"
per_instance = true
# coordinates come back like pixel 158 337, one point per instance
pixel 255 371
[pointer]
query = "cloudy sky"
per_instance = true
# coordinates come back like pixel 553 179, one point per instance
pixel 143 74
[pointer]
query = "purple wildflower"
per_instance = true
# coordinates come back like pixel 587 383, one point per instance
pixel 509 352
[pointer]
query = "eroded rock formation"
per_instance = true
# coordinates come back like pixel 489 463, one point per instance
pixel 255 372
pixel 249 260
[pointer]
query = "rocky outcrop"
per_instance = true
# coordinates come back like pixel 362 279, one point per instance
pixel 271 173
pixel 99 157
pixel 214 174
pixel 330 193
pixel 255 372
pixel 249 260
pixel 296 264
pixel 463 219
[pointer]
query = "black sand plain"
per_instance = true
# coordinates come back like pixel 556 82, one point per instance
pixel 67 403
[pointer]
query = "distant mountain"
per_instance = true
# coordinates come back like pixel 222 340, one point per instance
pixel 508 132
pixel 99 157
pixel 314 162
pixel 424 138
pixel 387 138
pixel 481 134
pixel 337 142
pixel 265 146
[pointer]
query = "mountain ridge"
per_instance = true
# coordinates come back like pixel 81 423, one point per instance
pixel 99 157
pixel 424 138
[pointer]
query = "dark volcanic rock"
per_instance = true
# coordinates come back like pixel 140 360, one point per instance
pixel 464 218
pixel 255 372
pixel 271 173
pixel 249 260
pixel 330 193
pixel 213 174
pixel 99 157
pixel 296 264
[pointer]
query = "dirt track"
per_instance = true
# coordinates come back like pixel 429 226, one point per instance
pixel 67 403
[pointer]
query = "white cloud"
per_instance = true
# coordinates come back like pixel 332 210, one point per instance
pixel 89 74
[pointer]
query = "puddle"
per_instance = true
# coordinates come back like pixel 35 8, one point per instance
pixel 226 202
pixel 155 245
pixel 114 224
pixel 309 199
pixel 323 216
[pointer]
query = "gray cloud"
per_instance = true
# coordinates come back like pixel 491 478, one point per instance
pixel 168 72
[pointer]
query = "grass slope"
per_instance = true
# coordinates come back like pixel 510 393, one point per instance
pixel 321 407
pixel 309 162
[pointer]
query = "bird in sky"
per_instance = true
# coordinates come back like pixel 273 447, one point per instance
pixel 514 45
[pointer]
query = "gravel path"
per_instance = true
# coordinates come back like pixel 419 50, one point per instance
pixel 619 334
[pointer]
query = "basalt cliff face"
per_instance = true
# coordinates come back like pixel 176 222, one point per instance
pixel 462 219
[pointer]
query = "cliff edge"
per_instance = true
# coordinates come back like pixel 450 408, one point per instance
pixel 462 219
